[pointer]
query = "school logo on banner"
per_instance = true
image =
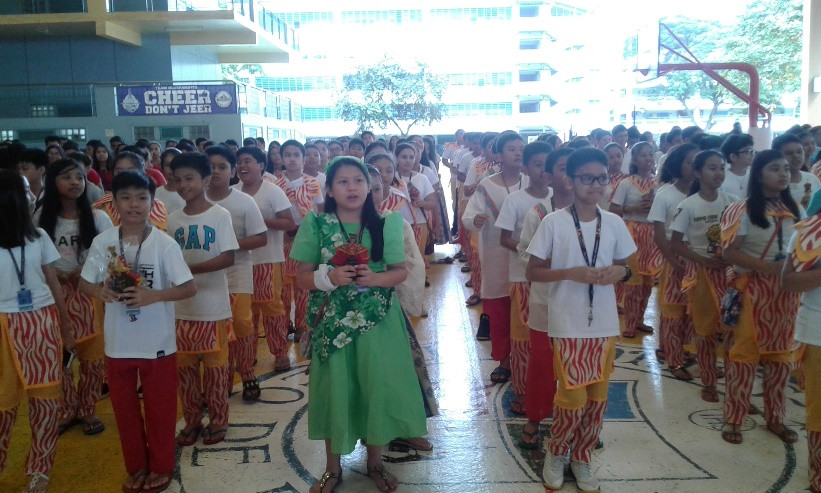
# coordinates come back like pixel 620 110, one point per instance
pixel 176 100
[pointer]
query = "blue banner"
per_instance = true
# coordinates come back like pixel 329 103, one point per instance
pixel 176 100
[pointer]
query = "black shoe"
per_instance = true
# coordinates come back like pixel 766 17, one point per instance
pixel 483 333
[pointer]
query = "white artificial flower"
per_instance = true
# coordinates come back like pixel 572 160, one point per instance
pixel 342 339
pixel 353 319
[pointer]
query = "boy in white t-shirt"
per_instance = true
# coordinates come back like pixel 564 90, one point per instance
pixel 591 248
pixel 267 261
pixel 206 236
pixel 510 220
pixel 140 342
pixel 168 192
pixel 250 230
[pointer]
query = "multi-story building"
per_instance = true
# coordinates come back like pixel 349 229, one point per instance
pixel 151 69
pixel 531 65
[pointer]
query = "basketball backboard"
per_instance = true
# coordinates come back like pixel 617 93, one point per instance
pixel 647 56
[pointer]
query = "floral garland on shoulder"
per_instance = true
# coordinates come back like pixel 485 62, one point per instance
pixel 348 312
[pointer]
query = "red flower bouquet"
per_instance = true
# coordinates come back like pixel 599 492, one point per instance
pixel 350 254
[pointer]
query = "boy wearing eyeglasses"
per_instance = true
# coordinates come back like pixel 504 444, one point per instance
pixel 592 247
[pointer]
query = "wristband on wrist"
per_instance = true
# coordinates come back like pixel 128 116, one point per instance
pixel 321 279
pixel 628 275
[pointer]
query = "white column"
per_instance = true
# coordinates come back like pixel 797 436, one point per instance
pixel 811 65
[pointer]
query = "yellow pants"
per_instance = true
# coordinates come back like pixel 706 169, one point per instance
pixel 577 398
pixel 811 368
pixel 211 359
pixel 241 315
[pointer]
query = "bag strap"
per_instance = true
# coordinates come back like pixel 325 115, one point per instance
pixel 775 233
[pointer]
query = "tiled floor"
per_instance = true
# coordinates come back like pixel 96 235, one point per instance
pixel 659 436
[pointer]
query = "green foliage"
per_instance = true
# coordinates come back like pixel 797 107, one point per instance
pixel 241 72
pixel 389 94
pixel 769 36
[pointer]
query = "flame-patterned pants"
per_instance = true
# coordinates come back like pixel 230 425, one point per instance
pixel 215 385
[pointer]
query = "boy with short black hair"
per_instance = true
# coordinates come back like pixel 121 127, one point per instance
pixel 250 230
pixel 32 164
pixel 206 236
pixel 356 148
pixel 140 340
pixel 591 247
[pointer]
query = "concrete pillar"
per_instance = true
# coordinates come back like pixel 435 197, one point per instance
pixel 811 64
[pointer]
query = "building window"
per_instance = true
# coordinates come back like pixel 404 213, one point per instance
pixel 529 10
pixel 76 134
pixel 43 110
pixel 8 134
pixel 529 75
pixel 529 106
pixel 530 44
pixel 147 133
pixel 197 131
pixel 171 133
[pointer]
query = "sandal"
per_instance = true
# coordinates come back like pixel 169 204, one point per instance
pixel 187 438
pixel 93 427
pixel 530 441
pixel 134 482
pixel 379 473
pixel 681 373
pixel 164 482
pixel 38 482
pixel 282 364
pixel 466 268
pixel 500 375
pixel 644 328
pixel 731 434
pixel 327 476
pixel 469 283
pixel 518 405
pixel 250 390
pixel 629 333
pixel 785 434
pixel 211 436
pixel 709 394
pixel 660 355
pixel 473 300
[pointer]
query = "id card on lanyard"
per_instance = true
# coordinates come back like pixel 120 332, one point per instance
pixel 24 300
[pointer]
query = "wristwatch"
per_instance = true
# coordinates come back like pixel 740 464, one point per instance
pixel 628 275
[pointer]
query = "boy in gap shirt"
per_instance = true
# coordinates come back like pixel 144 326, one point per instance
pixel 143 347
pixel 250 229
pixel 206 236
pixel 591 247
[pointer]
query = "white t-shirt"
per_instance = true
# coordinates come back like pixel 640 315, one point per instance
pixel 628 195
pixel 67 240
pixel 736 185
pixel 537 303
pixel 512 218
pixel 570 299
pixel 270 200
pixel 700 222
pixel 756 239
pixel 807 329
pixel 39 252
pixel 162 266
pixel 247 221
pixel 803 191
pixel 322 179
pixel 465 162
pixel 172 200
pixel 430 174
pixel 203 237
pixel 665 206
pixel 421 183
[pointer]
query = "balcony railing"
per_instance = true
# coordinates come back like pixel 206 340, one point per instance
pixel 267 20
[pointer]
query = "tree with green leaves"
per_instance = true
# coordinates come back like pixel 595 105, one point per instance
pixel 242 72
pixel 390 94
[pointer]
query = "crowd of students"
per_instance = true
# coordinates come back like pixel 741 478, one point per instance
pixel 147 264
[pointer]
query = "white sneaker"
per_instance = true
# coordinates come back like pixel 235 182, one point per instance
pixel 585 480
pixel 553 471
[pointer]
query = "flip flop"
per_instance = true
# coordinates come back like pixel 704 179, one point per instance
pixel 465 268
pixel 473 300
pixel 93 427
pixel 785 434
pixel 67 426
pixel 628 334
pixel 709 395
pixel 414 443
pixel 185 439
pixel 536 436
pixel 730 435
pixel 211 437
pixel 162 486
pixel 644 328
pixel 502 375
pixel 137 479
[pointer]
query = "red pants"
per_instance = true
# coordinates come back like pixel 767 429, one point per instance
pixel 147 442
pixel 498 309
pixel 541 382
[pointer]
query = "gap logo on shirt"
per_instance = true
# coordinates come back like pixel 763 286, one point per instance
pixel 193 240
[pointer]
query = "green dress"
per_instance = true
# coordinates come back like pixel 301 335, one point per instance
pixel 364 385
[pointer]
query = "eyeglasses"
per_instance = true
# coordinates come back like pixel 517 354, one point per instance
pixel 587 179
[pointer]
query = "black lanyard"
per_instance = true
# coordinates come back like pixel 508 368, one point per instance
pixel 139 248
pixel 20 269
pixel 587 260
pixel 357 238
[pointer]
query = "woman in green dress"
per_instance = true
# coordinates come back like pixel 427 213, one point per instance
pixel 362 382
